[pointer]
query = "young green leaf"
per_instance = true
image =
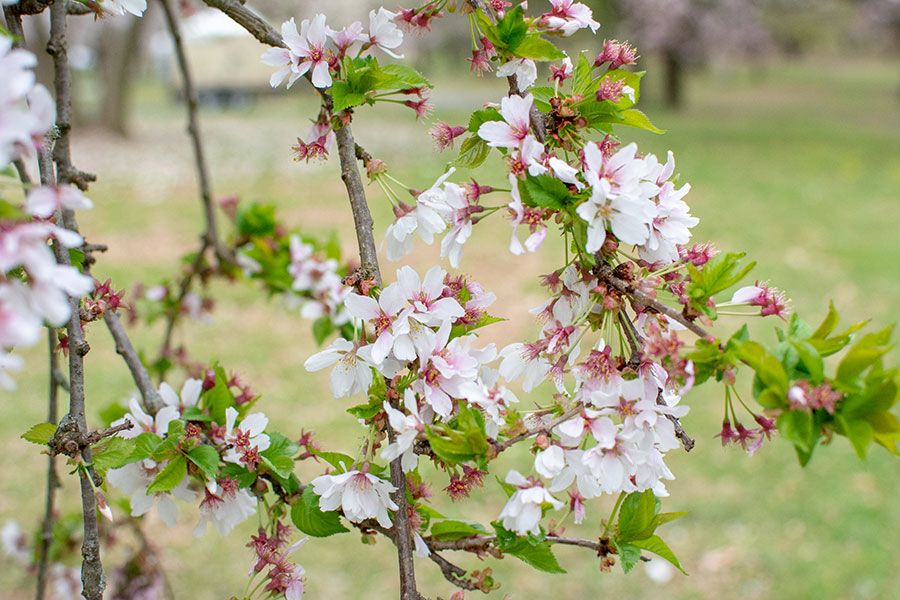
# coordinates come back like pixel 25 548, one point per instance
pixel 171 475
pixel 311 520
pixel 40 434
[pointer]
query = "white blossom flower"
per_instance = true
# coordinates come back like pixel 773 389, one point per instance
pixel 358 494
pixel 568 16
pixel 388 316
pixel 407 425
pixel 513 129
pixel 670 226
pixel 522 513
pixel 43 201
pixel 524 69
pixel 120 7
pixel 550 462
pixel 384 33
pixel 247 441
pixel 133 479
pixel 225 506
pixel 620 197
pixel 190 394
pixel 576 471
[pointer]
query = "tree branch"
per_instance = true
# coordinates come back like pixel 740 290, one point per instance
pixel 506 444
pixel 92 579
pixel 151 399
pixel 604 273
pixel 193 129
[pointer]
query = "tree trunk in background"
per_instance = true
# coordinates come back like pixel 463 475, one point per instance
pixel 118 57
pixel 674 78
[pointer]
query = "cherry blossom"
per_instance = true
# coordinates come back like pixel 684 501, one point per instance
pixel 512 131
pixel 388 317
pixel 524 69
pixel 384 33
pixel 407 426
pixel 226 506
pixel 353 373
pixel 620 197
pixel 525 215
pixel 359 494
pixel 670 227
pixel 189 396
pixel 120 7
pixel 247 441
pixel 425 219
pixel 523 510
pixel 446 368
pixel 568 16
pixel 44 201
pixel 133 479
pixel 305 50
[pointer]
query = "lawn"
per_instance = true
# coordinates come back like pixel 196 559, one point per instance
pixel 798 165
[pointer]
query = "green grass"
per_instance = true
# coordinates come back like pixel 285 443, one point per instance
pixel 799 166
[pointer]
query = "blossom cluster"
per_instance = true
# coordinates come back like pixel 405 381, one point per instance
pixel 34 288
pixel 226 446
pixel 317 50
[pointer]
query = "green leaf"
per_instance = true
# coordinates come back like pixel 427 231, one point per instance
pixel 538 555
pixel 145 445
pixel 864 354
pixel 322 328
pixel 397 76
pixel 583 77
pixel 344 97
pixel 480 117
pixel 171 475
pixel 860 433
pixel 512 29
pixel 207 460
pixel 717 275
pixel 658 547
pixel 629 555
pixel 218 398
pixel 455 530
pixel 537 48
pixel 112 453
pixel 635 118
pixel 828 323
pixel 768 368
pixel 341 462
pixel 40 434
pixel 311 520
pixel 462 439
pixel 254 219
pixel 472 153
pixel 798 427
pixel 544 191
pixel 637 516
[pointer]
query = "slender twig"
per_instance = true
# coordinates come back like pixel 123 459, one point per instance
pixel 36 7
pixel 193 129
pixel 604 273
pixel 92 580
pixel 125 349
pixel 571 412
pixel 52 477
pixel 184 288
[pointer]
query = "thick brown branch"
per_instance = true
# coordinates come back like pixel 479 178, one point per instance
pixel 604 273
pixel 92 579
pixel 362 217
pixel 125 349
pixel 36 7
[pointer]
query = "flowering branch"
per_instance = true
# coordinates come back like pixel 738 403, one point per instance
pixel 604 273
pixel 93 581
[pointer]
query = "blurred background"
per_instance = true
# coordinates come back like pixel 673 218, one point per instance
pixel 784 115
